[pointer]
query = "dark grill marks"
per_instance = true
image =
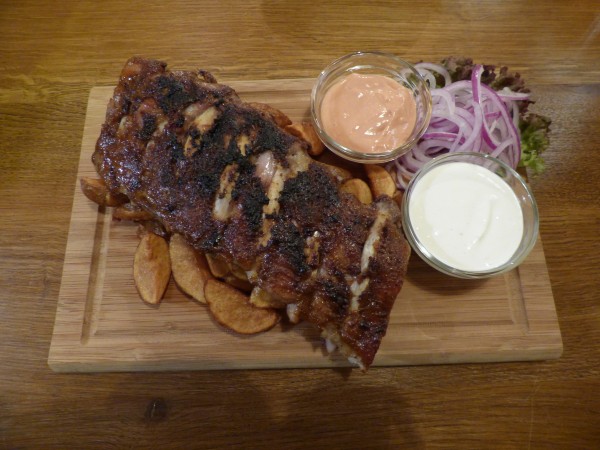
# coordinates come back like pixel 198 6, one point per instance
pixel 248 191
pixel 171 94
pixel 271 138
pixel 210 161
pixel 288 241
pixel 207 184
pixel 195 137
pixel 148 127
pixel 309 197
pixel 338 292
pixel 173 147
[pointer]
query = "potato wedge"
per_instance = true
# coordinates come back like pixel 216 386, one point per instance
pixel 232 309
pixel 380 180
pixel 280 118
pixel 151 226
pixel 306 131
pixel 242 285
pixel 189 267
pixel 359 189
pixel 355 169
pixel 262 299
pixel 238 272
pixel 217 266
pixel 96 190
pixel 130 212
pixel 398 198
pixel 152 268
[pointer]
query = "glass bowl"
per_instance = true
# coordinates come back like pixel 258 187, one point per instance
pixel 379 64
pixel 507 175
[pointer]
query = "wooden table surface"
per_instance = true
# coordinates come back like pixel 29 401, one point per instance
pixel 52 53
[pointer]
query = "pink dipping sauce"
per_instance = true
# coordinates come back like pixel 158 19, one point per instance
pixel 369 113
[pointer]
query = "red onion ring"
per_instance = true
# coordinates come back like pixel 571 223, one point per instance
pixel 466 115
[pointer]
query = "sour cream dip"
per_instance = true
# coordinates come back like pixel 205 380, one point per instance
pixel 369 113
pixel 466 216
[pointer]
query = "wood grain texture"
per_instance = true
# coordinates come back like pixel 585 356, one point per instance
pixel 53 53
pixel 102 325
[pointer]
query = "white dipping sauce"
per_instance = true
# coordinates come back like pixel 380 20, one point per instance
pixel 466 216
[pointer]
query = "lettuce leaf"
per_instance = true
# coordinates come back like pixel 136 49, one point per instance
pixel 534 128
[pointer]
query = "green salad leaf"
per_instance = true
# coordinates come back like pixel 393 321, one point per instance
pixel 534 128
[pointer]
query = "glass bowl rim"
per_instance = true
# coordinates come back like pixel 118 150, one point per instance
pixel 362 157
pixel 515 260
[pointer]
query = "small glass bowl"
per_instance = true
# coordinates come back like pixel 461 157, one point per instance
pixel 518 186
pixel 379 64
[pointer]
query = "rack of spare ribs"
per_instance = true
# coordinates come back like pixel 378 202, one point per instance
pixel 224 175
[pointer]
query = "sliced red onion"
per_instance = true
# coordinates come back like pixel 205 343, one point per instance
pixel 427 67
pixel 476 82
pixel 507 94
pixel 428 77
pixel 516 155
pixel 466 115
pixel 439 95
pixel 478 120
pixel 515 115
pixel 439 135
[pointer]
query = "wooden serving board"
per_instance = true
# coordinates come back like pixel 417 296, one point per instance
pixel 102 325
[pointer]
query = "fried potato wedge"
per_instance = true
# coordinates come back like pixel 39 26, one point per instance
pixel 242 285
pixel 355 170
pixel 380 180
pixel 306 131
pixel 189 267
pixel 238 272
pixel 398 198
pixel 232 309
pixel 217 266
pixel 130 212
pixel 151 226
pixel 152 268
pixel 359 189
pixel 280 118
pixel 262 299
pixel 96 190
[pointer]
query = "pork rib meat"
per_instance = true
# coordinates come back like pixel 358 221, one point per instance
pixel 237 186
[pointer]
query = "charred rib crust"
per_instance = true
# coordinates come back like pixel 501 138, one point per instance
pixel 309 197
pixel 249 193
pixel 288 241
